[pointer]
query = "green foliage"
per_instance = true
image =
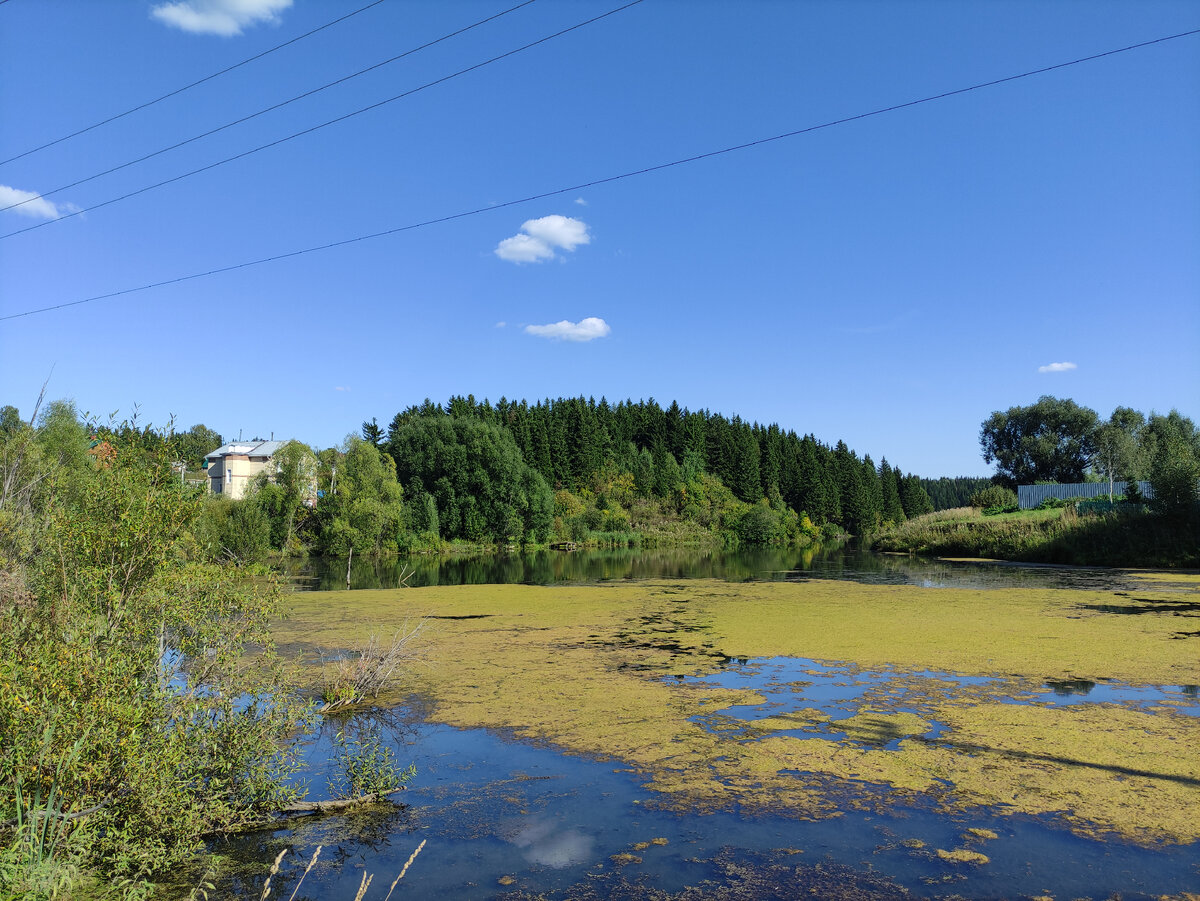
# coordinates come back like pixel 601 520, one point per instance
pixel 947 493
pixel 476 474
pixel 997 509
pixel 124 690
pixel 192 446
pixel 366 512
pixel 1118 451
pixel 1175 466
pixel 238 531
pixel 284 492
pixel 994 496
pixel 1055 503
pixel 569 441
pixel 1052 439
pixel 1122 538
pixel 366 766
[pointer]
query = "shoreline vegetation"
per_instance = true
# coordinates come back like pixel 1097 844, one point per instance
pixel 1125 538
pixel 143 707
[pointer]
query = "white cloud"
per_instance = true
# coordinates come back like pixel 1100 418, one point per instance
pixel 524 249
pixel 501 324
pixel 1057 367
pixel 38 207
pixel 583 330
pixel 340 388
pixel 540 238
pixel 226 18
pixel 581 201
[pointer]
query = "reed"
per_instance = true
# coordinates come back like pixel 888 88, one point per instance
pixel 311 864
pixel 363 886
pixel 274 869
pixel 350 680
pixel 404 869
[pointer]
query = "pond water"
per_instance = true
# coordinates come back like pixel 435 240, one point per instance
pixel 546 567
pixel 507 819
pixel 607 739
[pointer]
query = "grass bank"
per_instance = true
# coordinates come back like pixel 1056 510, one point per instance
pixel 1128 538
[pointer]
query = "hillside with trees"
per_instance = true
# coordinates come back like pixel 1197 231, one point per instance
pixel 572 469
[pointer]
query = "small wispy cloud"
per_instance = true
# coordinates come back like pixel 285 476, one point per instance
pixel 226 18
pixel 581 201
pixel 501 324
pixel 539 239
pixel 583 330
pixel 340 388
pixel 1057 367
pixel 32 204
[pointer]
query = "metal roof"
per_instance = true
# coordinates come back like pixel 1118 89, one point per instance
pixel 247 448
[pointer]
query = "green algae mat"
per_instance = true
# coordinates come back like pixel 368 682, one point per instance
pixel 953 706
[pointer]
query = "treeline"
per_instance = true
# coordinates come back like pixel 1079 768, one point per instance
pixel 572 468
pixel 949 493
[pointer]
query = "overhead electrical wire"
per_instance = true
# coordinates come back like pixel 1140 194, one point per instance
pixel 326 124
pixel 600 181
pixel 188 87
pixel 262 112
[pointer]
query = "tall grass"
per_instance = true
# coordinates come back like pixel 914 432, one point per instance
pixel 38 861
pixel 1124 538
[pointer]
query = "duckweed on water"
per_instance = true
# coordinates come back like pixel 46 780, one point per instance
pixel 609 671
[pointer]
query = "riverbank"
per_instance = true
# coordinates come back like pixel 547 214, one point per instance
pixel 1127 538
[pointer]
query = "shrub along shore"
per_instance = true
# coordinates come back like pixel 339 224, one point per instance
pixel 1124 536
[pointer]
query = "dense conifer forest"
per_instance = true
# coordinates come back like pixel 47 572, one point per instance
pixel 948 493
pixel 486 470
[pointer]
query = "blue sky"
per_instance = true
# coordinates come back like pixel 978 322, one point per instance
pixel 889 281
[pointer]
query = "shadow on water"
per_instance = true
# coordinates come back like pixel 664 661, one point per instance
pixel 545 567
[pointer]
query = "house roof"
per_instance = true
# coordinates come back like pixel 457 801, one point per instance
pixel 247 448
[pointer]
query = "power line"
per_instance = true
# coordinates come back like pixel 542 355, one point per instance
pixel 599 181
pixel 269 109
pixel 306 131
pixel 188 87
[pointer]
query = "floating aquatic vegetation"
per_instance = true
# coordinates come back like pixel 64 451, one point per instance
pixel 945 696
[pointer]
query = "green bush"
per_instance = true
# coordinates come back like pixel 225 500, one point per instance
pixel 125 691
pixel 994 496
pixel 1054 503
pixel 366 766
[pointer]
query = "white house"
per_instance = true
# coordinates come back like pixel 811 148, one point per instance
pixel 232 467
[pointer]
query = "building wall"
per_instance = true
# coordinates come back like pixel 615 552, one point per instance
pixel 232 474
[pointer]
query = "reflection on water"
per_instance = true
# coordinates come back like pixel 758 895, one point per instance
pixel 547 567
pixel 549 843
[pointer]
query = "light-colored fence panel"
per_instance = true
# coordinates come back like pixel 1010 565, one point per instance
pixel 1029 496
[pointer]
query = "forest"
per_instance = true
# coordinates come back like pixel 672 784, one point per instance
pixel 571 469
